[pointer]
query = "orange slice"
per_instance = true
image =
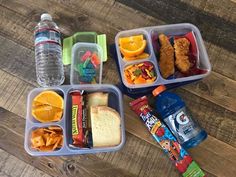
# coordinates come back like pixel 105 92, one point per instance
pixel 124 40
pixel 141 56
pixel 49 98
pixel 132 46
pixel 47 107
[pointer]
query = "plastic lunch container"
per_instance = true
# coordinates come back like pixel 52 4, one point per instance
pixel 169 30
pixel 65 122
pixel 78 51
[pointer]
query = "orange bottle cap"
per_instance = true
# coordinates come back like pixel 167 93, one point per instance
pixel 158 90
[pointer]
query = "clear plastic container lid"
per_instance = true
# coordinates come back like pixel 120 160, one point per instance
pixel 86 66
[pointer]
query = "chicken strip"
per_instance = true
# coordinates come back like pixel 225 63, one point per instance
pixel 166 57
pixel 182 62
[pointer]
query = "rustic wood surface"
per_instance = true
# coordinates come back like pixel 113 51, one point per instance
pixel 212 101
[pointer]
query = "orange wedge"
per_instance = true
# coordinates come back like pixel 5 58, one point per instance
pixel 133 49
pixel 47 107
pixel 124 40
pixel 132 46
pixel 50 98
pixel 141 56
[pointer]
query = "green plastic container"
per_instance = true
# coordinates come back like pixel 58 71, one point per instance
pixel 84 37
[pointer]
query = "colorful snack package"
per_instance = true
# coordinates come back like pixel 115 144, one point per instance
pixel 77 129
pixel 182 160
pixel 80 132
pixel 88 142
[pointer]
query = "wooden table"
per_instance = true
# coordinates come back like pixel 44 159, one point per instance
pixel 212 101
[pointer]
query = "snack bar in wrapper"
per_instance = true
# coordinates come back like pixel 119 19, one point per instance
pixel 80 135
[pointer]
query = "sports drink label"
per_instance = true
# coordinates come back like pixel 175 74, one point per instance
pixel 47 35
pixel 182 125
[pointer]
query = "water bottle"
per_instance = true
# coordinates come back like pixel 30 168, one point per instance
pixel 48 53
pixel 173 112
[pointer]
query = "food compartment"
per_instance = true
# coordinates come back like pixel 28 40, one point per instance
pixel 184 57
pixel 133 45
pixel 43 140
pixel 46 106
pixel 104 98
pixel 140 74
pixel 86 66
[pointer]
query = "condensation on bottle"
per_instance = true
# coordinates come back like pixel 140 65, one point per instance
pixel 48 53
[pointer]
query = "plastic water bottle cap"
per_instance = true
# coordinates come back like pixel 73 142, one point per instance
pixel 46 17
pixel 158 90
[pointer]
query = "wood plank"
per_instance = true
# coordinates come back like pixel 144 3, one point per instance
pixel 215 7
pixel 14 93
pixel 131 126
pixel 135 126
pixel 111 158
pixel 16 64
pixel 217 121
pixel 203 153
pixel 217 89
pixel 216 98
pixel 217 30
pixel 135 157
pixel 127 162
pixel 10 166
pixel 222 61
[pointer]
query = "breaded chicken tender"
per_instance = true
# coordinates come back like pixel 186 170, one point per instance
pixel 182 62
pixel 166 62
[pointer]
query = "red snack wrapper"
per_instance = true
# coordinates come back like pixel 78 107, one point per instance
pixel 77 124
pixel 177 154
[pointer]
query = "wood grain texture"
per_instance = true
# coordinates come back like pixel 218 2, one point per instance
pixel 214 29
pixel 204 152
pixel 212 101
pixel 98 24
pixel 208 117
pixel 11 166
pixel 224 9
pixel 212 88
pixel 136 127
pixel 130 161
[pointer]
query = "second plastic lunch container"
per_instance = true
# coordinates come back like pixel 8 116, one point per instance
pixel 114 101
pixel 150 34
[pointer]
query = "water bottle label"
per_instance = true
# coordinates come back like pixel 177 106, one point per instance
pixel 182 125
pixel 47 35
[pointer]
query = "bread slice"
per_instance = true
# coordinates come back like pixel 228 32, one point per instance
pixel 97 99
pixel 106 126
